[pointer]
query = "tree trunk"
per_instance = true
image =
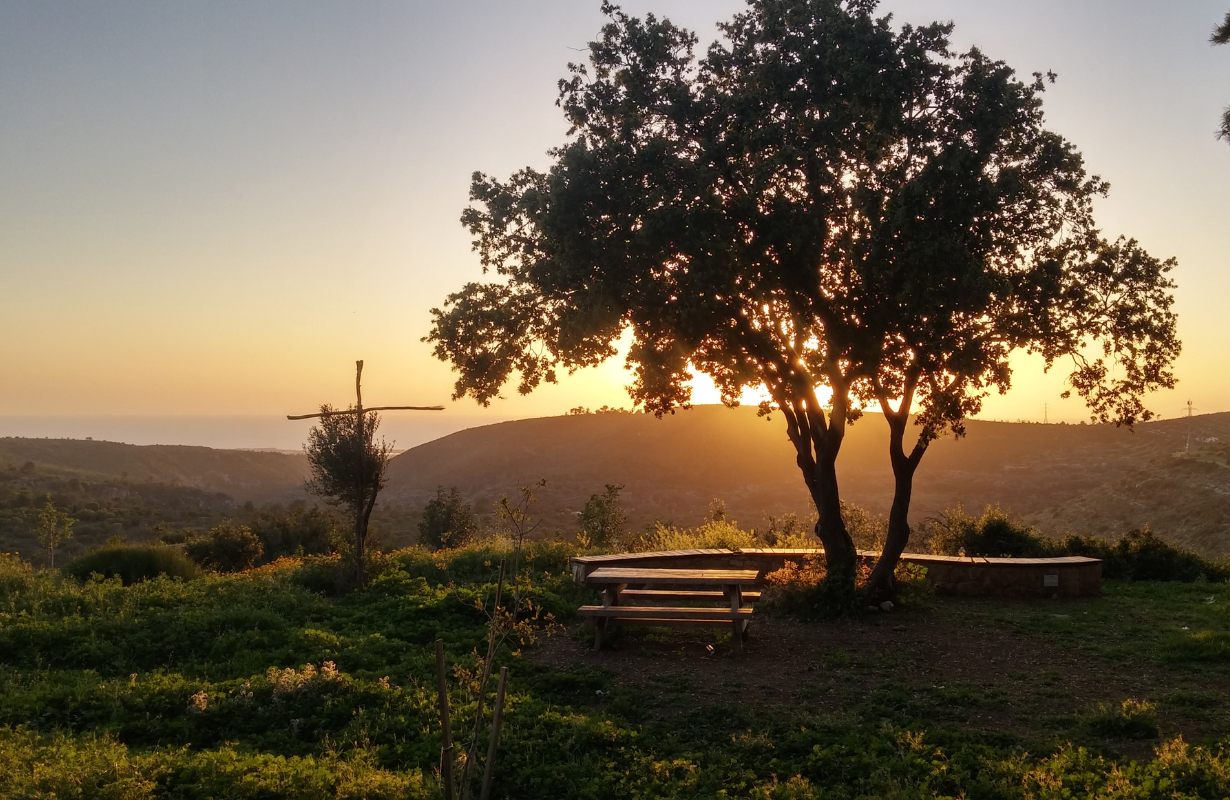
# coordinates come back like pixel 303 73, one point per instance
pixel 816 445
pixel 839 553
pixel 882 584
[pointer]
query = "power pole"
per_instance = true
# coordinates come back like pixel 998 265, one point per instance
pixel 1045 410
pixel 1190 409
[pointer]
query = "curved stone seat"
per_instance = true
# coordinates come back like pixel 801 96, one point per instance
pixel 1068 576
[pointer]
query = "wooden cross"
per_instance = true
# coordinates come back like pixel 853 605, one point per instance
pixel 361 514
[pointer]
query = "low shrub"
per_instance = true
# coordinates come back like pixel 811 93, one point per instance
pixel 1140 555
pixel 448 521
pixel 132 563
pixel 226 548
pixel 717 534
pixel 994 534
pixel 805 590
pixel 300 531
pixel 1131 719
pixel 15 574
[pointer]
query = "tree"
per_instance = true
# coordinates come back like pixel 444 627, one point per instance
pixel 602 519
pixel 348 468
pixel 448 521
pixel 228 547
pixel 54 528
pixel 839 212
pixel 1221 35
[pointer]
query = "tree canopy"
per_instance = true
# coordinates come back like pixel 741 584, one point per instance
pixel 840 211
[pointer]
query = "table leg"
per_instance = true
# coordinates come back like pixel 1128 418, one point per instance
pixel 736 624
pixel 610 597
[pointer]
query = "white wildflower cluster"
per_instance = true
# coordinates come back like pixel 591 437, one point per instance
pixel 198 702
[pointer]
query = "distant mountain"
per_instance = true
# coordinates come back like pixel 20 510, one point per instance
pixel 244 475
pixel 672 467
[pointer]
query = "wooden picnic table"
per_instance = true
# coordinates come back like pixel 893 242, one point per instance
pixel 615 580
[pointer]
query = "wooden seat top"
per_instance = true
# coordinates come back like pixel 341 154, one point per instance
pixel 666 612
pixel 674 577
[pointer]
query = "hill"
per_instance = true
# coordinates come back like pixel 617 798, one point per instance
pixel 1185 496
pixel 673 467
pixel 243 475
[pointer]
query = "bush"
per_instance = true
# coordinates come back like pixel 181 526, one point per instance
pixel 226 548
pixel 602 519
pixel 994 534
pixel 448 522
pixel 805 590
pixel 298 532
pixel 1132 719
pixel 1138 556
pixel 132 563
pixel 1142 556
pixel 719 534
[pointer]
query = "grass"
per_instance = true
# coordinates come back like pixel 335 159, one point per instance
pixel 251 685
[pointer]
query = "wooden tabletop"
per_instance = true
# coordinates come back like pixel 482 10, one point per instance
pixel 674 577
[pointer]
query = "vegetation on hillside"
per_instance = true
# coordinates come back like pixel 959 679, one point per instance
pixel 253 685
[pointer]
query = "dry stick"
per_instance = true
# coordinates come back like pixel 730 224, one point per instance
pixel 497 717
pixel 492 643
pixel 446 741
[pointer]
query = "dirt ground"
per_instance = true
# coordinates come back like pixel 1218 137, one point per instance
pixel 947 663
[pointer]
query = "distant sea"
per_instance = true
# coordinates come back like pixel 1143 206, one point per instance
pixel 404 429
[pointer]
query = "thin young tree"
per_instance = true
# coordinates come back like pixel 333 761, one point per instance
pixel 813 204
pixel 348 468
pixel 54 528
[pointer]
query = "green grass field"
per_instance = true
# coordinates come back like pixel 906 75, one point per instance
pixel 251 685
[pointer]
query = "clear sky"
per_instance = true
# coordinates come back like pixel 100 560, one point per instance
pixel 214 208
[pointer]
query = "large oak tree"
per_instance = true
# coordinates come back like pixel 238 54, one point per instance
pixel 839 211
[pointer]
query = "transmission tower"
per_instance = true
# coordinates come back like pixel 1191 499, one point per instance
pixel 1190 409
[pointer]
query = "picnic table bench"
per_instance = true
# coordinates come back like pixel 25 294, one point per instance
pixel 685 584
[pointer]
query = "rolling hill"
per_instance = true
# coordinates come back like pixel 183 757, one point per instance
pixel 1086 479
pixel 671 468
pixel 244 475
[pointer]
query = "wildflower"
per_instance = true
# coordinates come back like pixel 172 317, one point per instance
pixel 199 702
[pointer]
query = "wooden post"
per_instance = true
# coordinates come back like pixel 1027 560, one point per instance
pixel 446 740
pixel 736 624
pixel 496 719
pixel 361 450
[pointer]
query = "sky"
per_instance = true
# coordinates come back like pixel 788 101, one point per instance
pixel 211 209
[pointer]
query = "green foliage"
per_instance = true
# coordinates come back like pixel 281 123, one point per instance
pixel 54 528
pixel 299 531
pixel 866 529
pixel 348 468
pixel 806 590
pixel 103 507
pixel 995 533
pixel 250 686
pixel 1131 719
pixel 448 521
pixel 1139 555
pixel 132 563
pixel 226 548
pixel 602 519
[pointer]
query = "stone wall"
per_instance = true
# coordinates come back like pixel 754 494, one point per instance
pixel 1072 576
